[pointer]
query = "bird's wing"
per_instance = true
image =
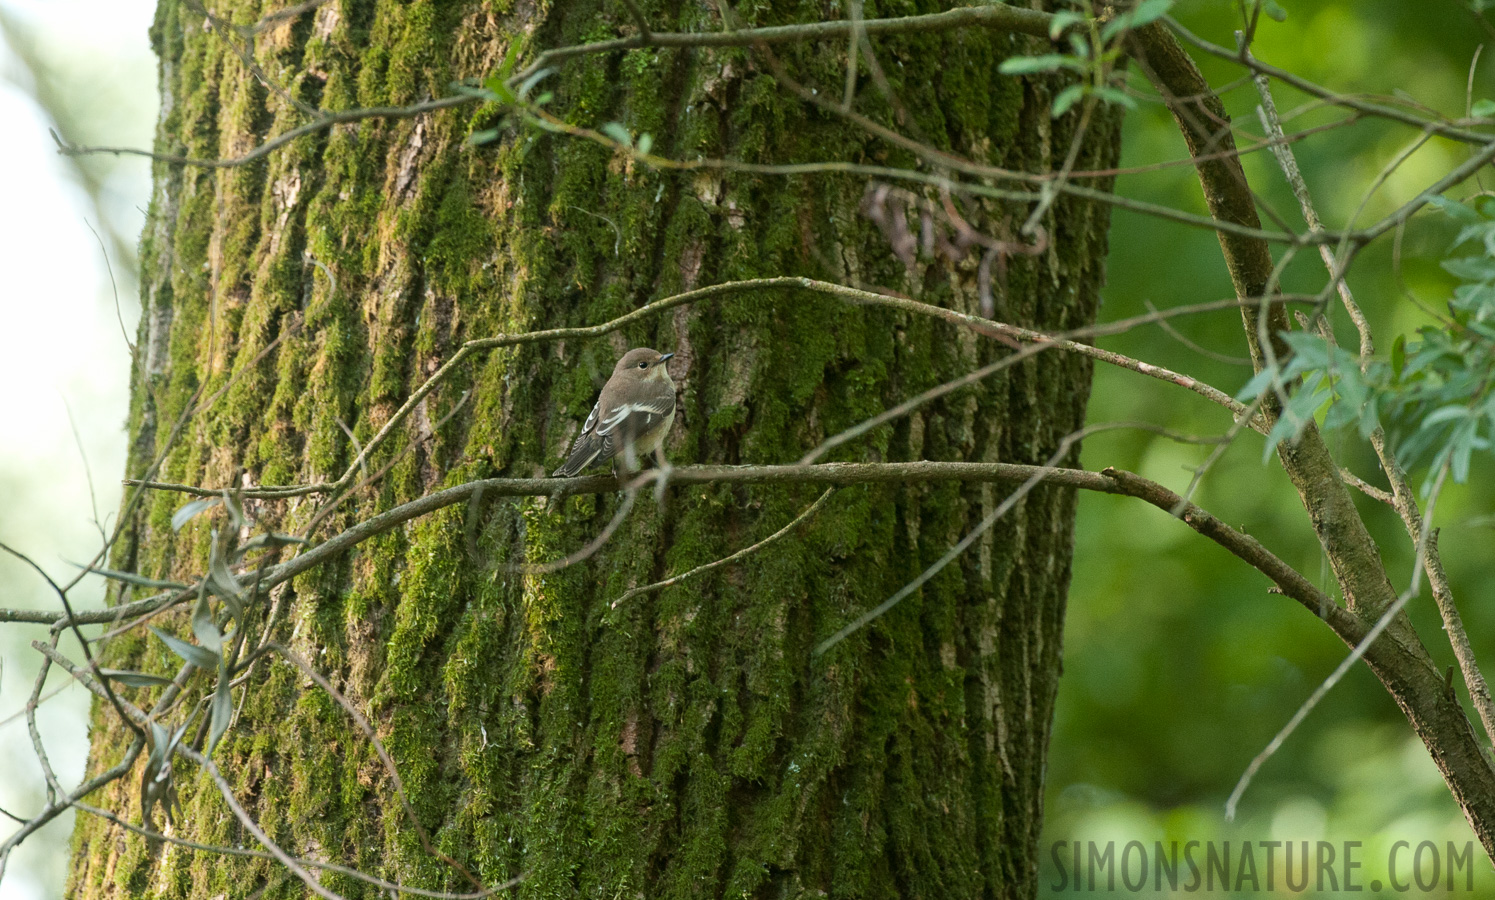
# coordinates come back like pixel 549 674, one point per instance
pixel 630 420
pixel 587 447
pixel 587 450
pixel 606 431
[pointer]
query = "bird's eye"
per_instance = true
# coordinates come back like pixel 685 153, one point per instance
pixel 643 365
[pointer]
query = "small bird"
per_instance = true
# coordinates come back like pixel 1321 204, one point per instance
pixel 633 414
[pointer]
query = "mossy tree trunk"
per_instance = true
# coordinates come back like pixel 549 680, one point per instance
pixel 687 744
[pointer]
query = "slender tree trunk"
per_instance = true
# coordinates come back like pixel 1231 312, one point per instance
pixel 688 743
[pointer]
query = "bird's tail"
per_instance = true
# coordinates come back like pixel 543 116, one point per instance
pixel 582 455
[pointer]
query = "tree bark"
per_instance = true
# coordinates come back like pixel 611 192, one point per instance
pixel 688 743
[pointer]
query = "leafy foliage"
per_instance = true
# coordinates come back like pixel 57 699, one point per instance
pixel 1095 50
pixel 1433 396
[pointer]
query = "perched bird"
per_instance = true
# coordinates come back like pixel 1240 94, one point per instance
pixel 633 414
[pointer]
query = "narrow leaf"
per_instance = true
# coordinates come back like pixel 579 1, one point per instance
pixel 189 511
pixel 617 132
pixel 207 632
pixel 224 583
pixel 1066 99
pixel 486 136
pixel 1028 65
pixel 201 657
pixel 223 708
pixel 132 578
pixel 234 508
pixel 1062 20
pixel 134 679
pixel 266 540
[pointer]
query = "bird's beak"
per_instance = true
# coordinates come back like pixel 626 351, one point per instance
pixel 665 357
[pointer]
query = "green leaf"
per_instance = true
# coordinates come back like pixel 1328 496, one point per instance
pixel 645 143
pixel 207 632
pixel 498 86
pixel 1471 268
pixel 1062 20
pixel 223 582
pixel 1455 208
pixel 134 679
pixel 132 578
pixel 511 55
pixel 223 708
pixel 1143 13
pixel 1066 99
pixel 1484 109
pixel 188 511
pixel 201 657
pixel 486 136
pixel 1398 355
pixel 1049 62
pixel 1445 414
pixel 234 508
pixel 617 132
pixel 1274 10
pixel 1258 383
pixel 1462 448
pixel 529 83
pixel 1118 97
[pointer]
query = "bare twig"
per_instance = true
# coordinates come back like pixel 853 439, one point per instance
pixel 327 120
pixel 728 560
pixel 73 619
pixel 245 852
pixel 295 659
pixel 1334 678
pixel 1335 97
pixel 997 16
pixel 139 718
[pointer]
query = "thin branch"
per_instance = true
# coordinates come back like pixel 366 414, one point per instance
pixel 639 19
pixel 1323 93
pixel 53 810
pixel 295 659
pixel 222 850
pixel 1365 487
pixel 1401 497
pixel 1339 672
pixel 67 607
pixel 140 718
pixel 1067 341
pixel 728 560
pixel 996 16
pixel 270 20
pixel 1116 481
pixel 595 544
pixel 1202 350
pixel 328 120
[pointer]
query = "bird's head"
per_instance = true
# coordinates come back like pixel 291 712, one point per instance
pixel 642 364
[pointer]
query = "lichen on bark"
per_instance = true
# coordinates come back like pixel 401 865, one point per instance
pixel 687 744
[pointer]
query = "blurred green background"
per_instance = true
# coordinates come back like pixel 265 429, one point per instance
pixel 1180 667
